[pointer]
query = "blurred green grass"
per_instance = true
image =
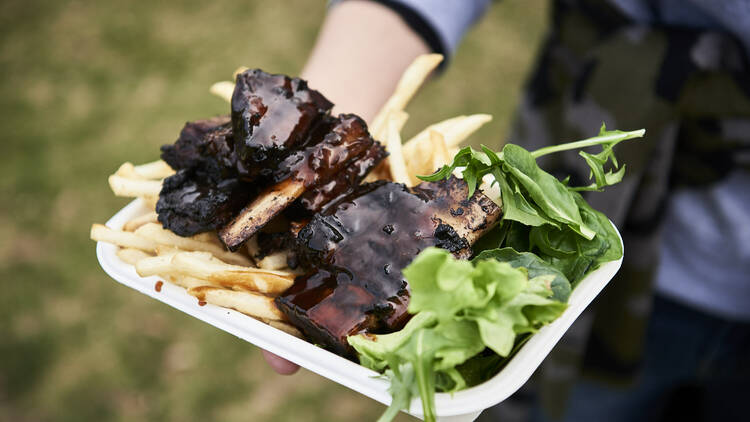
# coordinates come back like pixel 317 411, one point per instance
pixel 85 86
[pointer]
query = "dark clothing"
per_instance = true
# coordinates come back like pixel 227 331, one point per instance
pixel 695 368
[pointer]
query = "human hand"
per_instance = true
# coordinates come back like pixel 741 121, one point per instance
pixel 279 364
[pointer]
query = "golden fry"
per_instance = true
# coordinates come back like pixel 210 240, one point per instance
pixel 252 247
pixel 440 154
pixel 202 265
pixel 133 224
pixel 154 170
pixel 419 162
pixel 396 158
pixel 150 202
pixel 253 304
pixel 131 188
pixel 101 233
pixel 160 265
pixel 126 170
pixel 167 250
pixel 131 256
pixel 223 89
pixel 399 117
pixel 188 282
pixel 274 261
pixel 163 236
pixel 407 86
pixel 454 130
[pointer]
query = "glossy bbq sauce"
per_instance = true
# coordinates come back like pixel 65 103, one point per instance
pixel 359 247
pixel 335 145
pixel 272 114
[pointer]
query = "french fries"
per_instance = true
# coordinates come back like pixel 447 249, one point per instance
pixel 223 89
pixel 163 236
pixel 396 158
pixel 188 282
pixel 133 224
pixel 455 130
pixel 198 263
pixel 253 304
pixel 410 81
pixel 160 265
pixel 102 233
pixel 203 265
pixel 132 256
pixel 274 261
pixel 154 170
pixel 132 188
pixel 440 156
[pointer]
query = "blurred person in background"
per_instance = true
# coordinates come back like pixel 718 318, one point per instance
pixel 670 336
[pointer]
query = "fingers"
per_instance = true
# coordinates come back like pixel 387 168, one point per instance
pixel 280 365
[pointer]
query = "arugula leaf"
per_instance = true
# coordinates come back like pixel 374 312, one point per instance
pixel 551 196
pixel 606 138
pixel 573 255
pixel 530 195
pixel 515 205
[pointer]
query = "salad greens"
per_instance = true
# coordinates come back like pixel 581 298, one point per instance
pixel 461 308
pixel 470 316
pixel 529 194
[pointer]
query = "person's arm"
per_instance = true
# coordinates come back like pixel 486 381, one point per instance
pixel 362 50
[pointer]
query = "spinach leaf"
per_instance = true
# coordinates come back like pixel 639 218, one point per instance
pixel 535 266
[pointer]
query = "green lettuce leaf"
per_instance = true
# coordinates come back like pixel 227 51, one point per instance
pixel 462 308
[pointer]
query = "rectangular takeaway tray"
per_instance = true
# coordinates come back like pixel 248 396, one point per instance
pixel 465 405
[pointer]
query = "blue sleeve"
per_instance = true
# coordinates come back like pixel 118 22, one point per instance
pixel 441 23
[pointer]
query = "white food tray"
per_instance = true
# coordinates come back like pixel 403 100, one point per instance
pixel 464 405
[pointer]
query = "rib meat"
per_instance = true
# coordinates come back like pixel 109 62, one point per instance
pixel 189 204
pixel 345 182
pixel 322 161
pixel 206 146
pixel 272 115
pixel 358 246
pixel 279 144
pixel 206 191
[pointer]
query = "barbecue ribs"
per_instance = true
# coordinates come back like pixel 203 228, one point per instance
pixel 206 192
pixel 358 246
pixel 280 148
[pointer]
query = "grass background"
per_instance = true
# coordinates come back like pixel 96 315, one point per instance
pixel 86 85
